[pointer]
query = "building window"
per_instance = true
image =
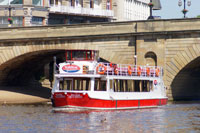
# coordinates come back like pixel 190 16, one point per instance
pixel 51 2
pixel 97 4
pixel 10 2
pixel 37 2
pixel 72 2
pixel 91 3
pixel 77 2
pixel 36 21
pixel 108 5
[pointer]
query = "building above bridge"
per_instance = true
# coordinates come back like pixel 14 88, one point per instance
pixel 45 12
pixel 50 12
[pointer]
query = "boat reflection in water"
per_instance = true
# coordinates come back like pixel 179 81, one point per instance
pixel 170 118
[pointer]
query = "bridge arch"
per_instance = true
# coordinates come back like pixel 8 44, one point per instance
pixel 110 49
pixel 183 74
pixel 16 59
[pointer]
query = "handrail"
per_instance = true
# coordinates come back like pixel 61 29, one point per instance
pixel 110 69
pixel 81 10
pixel 132 70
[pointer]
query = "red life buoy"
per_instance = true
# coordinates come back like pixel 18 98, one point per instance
pixel 157 72
pixel 148 71
pixel 139 71
pixel 155 82
pixel 101 69
pixel 129 70
pixel 116 70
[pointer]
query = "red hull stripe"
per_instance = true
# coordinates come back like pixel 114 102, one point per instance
pixel 84 101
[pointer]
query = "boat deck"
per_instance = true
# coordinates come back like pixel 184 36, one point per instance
pixel 118 71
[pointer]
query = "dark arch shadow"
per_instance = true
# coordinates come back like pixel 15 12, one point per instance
pixel 21 72
pixel 151 55
pixel 186 84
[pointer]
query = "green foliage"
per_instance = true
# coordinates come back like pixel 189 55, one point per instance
pixel 198 16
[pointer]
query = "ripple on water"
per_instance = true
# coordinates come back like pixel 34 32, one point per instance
pixel 41 118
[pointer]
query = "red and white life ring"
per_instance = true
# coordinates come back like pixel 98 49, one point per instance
pixel 155 82
pixel 101 69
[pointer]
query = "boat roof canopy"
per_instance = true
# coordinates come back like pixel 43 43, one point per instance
pixel 81 55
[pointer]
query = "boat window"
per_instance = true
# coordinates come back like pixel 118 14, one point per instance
pixel 120 85
pixel 137 85
pixel 77 84
pixel 86 85
pixel 61 85
pixel 150 85
pixel 81 84
pixel 103 85
pixel 95 55
pixel 144 86
pixel 100 85
pixel 81 55
pixel 78 55
pixel 89 55
pixel 111 84
pixel 65 85
pixel 96 85
pixel 115 87
pixel 132 85
pixel 68 55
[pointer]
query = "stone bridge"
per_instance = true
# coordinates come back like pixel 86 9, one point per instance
pixel 172 44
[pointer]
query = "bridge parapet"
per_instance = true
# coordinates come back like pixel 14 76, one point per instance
pixel 101 29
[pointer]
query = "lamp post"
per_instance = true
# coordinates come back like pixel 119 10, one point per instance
pixel 9 16
pixel 151 8
pixel 135 57
pixel 54 65
pixel 184 11
pixel 9 8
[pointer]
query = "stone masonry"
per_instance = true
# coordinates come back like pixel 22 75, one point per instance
pixel 176 43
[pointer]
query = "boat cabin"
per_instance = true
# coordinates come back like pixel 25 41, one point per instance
pixel 81 55
pixel 82 72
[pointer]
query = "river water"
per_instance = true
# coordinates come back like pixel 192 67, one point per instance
pixel 176 117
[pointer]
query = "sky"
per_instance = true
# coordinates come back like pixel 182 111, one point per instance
pixel 170 9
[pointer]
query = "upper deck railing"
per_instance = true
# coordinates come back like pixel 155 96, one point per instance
pixel 81 11
pixel 128 70
pixel 110 69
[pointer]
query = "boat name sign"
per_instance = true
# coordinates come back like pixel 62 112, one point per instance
pixel 71 68
pixel 75 96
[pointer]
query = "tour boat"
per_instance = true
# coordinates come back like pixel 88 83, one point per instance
pixel 83 82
